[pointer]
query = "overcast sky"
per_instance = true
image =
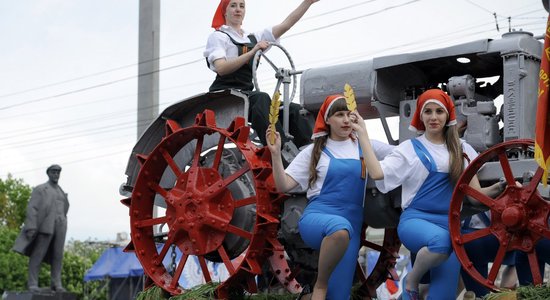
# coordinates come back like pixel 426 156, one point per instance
pixel 68 87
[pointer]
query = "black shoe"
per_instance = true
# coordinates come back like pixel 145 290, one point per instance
pixel 306 289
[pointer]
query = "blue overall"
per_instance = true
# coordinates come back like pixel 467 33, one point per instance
pixel 424 223
pixel 338 206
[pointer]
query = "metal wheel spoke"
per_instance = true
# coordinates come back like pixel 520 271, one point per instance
pixel 226 261
pixel 165 247
pixel 244 201
pixel 240 232
pixel 534 265
pixel 170 160
pixel 198 150
pixel 215 189
pixel 497 262
pixel 151 222
pixel 505 164
pixel 532 187
pixel 468 237
pixel 179 271
pixel 227 181
pixel 204 268
pixel 159 190
pixel 270 62
pixel 470 191
pixel 219 152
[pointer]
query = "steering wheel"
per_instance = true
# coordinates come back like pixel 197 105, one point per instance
pixel 283 75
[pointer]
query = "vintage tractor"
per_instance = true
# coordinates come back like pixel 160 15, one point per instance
pixel 198 182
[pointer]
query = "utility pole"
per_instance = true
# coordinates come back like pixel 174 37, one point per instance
pixel 148 67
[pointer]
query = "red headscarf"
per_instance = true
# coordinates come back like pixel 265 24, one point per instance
pixel 432 96
pixel 219 16
pixel 321 128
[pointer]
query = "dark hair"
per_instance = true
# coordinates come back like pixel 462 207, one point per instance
pixel 320 142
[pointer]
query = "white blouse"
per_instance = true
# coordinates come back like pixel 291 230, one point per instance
pixel 404 167
pixel 348 149
pixel 219 45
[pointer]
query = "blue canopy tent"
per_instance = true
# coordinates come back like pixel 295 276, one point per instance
pixel 125 273
pixel 114 263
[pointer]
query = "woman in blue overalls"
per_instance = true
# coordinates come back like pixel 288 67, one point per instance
pixel 332 173
pixel 427 168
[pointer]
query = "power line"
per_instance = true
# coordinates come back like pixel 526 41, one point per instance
pixel 481 7
pixel 99 73
pixel 69 162
pixel 351 19
pixel 337 10
pixel 97 85
pixel 409 43
pixel 146 61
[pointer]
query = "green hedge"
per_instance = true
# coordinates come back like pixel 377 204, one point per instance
pixel 78 258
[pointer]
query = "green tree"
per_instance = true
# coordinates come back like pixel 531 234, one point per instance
pixel 13 266
pixel 14 196
pixel 79 258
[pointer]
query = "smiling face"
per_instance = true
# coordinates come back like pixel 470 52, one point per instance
pixel 234 13
pixel 434 117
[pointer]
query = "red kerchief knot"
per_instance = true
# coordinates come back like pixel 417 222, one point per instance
pixel 432 96
pixel 321 128
pixel 219 16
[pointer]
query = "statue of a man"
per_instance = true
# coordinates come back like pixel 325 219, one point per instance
pixel 43 235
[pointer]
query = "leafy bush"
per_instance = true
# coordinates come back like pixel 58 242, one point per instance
pixel 14 196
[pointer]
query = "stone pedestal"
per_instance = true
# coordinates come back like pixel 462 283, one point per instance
pixel 45 295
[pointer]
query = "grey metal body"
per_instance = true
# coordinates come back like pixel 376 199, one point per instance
pixel 382 84
pixel 388 86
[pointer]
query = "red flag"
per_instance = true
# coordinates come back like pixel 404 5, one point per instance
pixel 542 125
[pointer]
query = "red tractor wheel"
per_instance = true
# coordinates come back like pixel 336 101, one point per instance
pixel 212 212
pixel 519 215
pixel 385 265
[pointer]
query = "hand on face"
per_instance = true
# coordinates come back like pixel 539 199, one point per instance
pixel 357 122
